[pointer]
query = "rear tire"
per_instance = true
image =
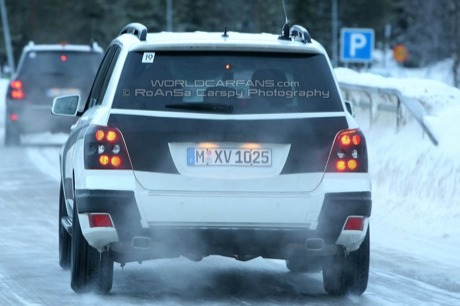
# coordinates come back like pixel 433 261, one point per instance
pixel 64 237
pixel 89 269
pixel 344 274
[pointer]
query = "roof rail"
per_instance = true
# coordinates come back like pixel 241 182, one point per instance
pixel 137 29
pixel 94 45
pixel 300 32
pixel 296 32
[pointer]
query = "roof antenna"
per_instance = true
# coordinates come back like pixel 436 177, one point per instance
pixel 285 31
pixel 225 32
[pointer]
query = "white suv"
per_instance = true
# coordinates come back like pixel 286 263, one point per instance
pixel 197 144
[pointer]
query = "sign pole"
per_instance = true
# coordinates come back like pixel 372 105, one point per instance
pixel 7 37
pixel 335 33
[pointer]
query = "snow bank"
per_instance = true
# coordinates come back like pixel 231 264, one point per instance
pixel 434 95
pixel 416 185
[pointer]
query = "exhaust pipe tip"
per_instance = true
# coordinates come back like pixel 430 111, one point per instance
pixel 314 244
pixel 141 242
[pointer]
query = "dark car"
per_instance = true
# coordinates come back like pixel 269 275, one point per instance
pixel 44 72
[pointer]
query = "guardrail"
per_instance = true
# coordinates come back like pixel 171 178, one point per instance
pixel 396 98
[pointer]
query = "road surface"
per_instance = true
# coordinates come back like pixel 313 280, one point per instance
pixel 30 273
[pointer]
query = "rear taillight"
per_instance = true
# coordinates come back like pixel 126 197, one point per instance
pixel 100 220
pixel 354 223
pixel 16 90
pixel 14 117
pixel 349 152
pixel 105 148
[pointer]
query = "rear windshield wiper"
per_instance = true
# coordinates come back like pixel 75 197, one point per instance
pixel 205 107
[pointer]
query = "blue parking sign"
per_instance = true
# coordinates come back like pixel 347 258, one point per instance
pixel 356 44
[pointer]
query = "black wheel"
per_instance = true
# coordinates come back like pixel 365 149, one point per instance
pixel 89 269
pixel 105 278
pixel 347 273
pixel 64 236
pixel 12 136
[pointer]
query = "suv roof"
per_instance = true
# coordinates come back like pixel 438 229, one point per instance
pixel 63 46
pixel 31 47
pixel 298 40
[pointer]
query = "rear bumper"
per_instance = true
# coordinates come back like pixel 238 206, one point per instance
pixel 337 207
pixel 136 242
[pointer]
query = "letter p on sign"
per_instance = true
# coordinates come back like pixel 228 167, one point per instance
pixel 357 41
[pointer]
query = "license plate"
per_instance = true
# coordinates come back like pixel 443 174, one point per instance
pixel 229 157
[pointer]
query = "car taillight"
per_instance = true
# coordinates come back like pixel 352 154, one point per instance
pixel 349 152
pixel 354 223
pixel 16 90
pixel 14 117
pixel 100 220
pixel 105 148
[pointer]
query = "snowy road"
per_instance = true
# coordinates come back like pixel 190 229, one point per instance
pixel 415 231
pixel 30 273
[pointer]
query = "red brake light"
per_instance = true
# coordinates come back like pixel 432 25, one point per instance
pixel 105 148
pixel 100 135
pixel 345 139
pixel 115 161
pixel 63 58
pixel 104 160
pixel 352 164
pixel 16 92
pixel 349 152
pixel 354 224
pixel 341 165
pixel 14 117
pixel 100 220
pixel 111 136
pixel 16 84
pixel 356 139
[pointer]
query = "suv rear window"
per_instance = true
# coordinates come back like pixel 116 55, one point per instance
pixel 40 63
pixel 228 82
pixel 47 74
